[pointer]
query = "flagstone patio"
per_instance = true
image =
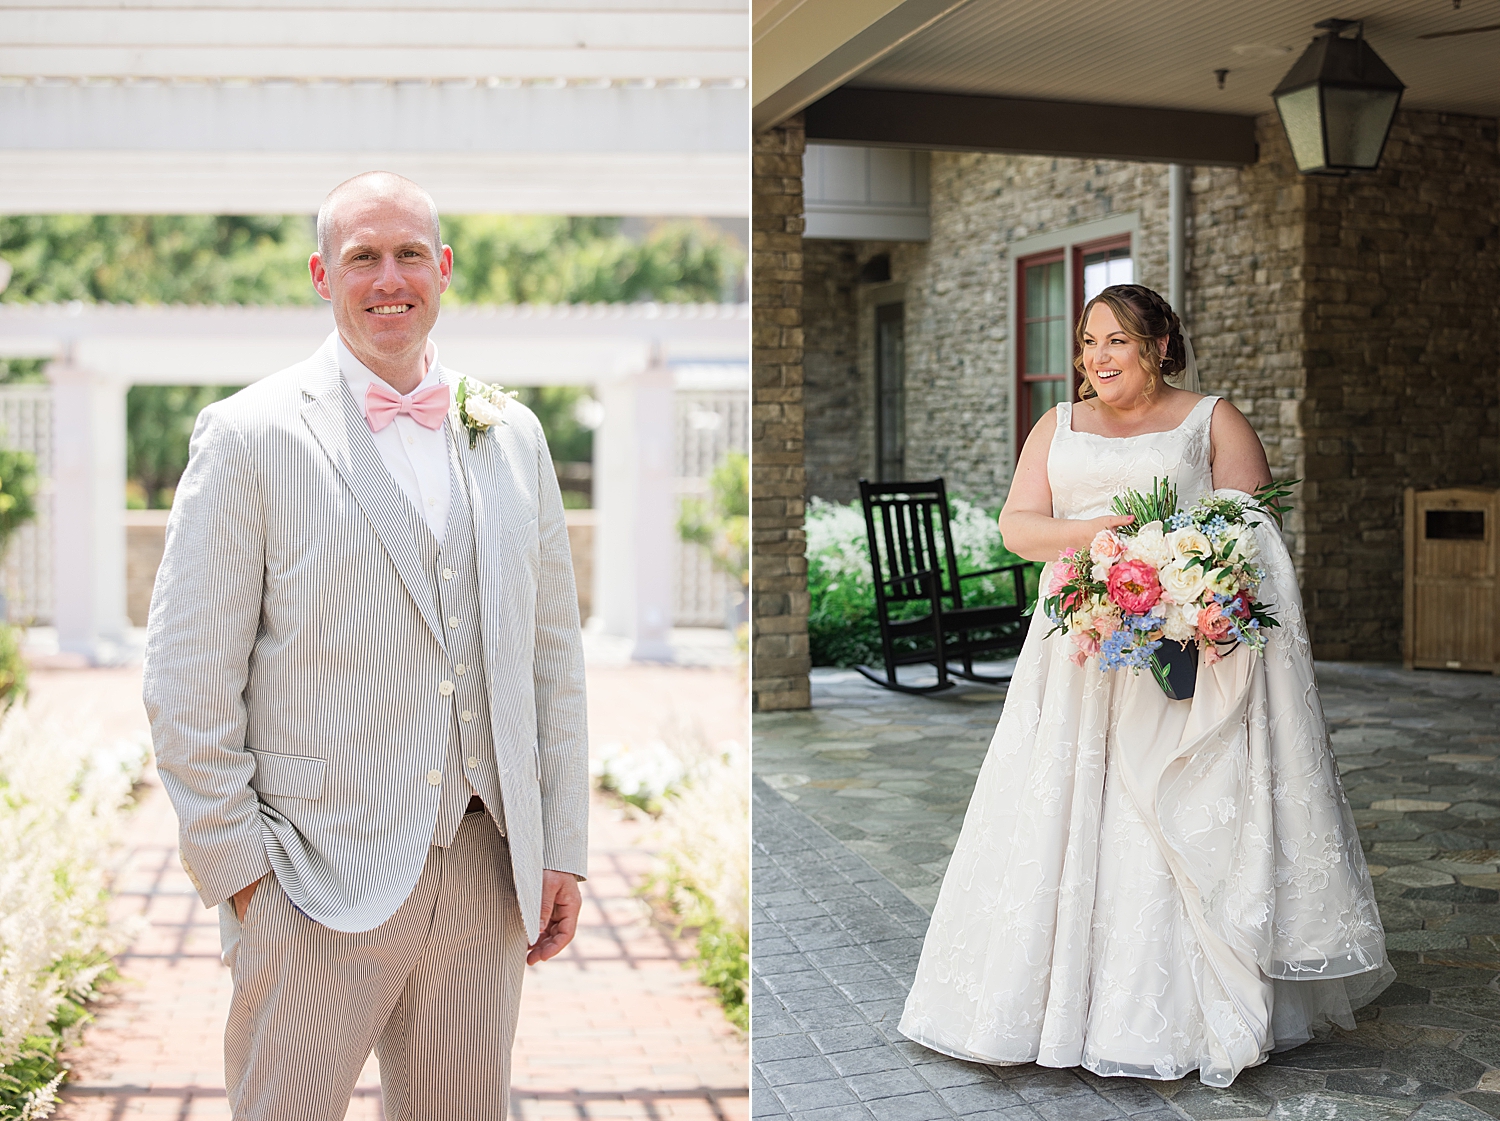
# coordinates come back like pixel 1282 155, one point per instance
pixel 859 804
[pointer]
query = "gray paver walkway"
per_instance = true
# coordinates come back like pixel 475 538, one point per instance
pixel 870 788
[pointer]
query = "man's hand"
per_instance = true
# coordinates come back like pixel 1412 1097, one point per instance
pixel 561 903
pixel 241 899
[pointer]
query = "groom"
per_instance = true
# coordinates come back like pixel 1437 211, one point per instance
pixel 365 681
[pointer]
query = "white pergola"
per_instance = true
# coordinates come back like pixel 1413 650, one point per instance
pixel 609 107
pixel 593 107
pixel 633 356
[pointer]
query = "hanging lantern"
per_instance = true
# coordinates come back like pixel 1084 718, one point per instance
pixel 1337 102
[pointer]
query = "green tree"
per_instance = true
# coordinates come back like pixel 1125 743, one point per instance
pixel 155 259
pixel 159 423
pixel 721 523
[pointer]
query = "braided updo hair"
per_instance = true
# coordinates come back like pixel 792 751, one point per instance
pixel 1146 318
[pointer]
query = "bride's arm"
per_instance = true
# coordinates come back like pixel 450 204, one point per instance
pixel 1239 461
pixel 1026 523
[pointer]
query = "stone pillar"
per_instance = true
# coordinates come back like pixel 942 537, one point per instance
pixel 635 495
pixel 778 485
pixel 88 496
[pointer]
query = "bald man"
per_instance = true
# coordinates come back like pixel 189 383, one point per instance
pixel 365 680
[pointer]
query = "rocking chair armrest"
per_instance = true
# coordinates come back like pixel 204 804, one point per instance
pixel 994 571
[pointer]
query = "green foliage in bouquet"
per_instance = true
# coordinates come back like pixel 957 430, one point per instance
pixel 1157 505
pixel 842 626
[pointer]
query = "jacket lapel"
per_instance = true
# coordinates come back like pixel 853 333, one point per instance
pixel 338 425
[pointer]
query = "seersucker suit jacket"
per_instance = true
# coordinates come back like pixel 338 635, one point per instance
pixel 294 655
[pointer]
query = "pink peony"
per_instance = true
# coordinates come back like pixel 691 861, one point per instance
pixel 1211 655
pixel 1134 587
pixel 1213 623
pixel 1062 572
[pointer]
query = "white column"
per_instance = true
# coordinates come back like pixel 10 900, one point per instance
pixel 88 513
pixel 636 498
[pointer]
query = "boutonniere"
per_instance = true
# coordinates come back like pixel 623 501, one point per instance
pixel 480 406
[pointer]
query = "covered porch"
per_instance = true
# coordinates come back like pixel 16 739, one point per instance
pixel 940 186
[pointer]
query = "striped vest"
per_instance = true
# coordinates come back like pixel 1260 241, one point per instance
pixel 452 567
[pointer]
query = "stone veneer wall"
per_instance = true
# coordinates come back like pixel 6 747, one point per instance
pixel 778 486
pixel 960 368
pixel 1402 269
pixel 1245 298
pixel 834 393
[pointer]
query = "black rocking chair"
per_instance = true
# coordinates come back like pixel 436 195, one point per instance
pixel 900 520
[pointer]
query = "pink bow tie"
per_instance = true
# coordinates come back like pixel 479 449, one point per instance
pixel 383 404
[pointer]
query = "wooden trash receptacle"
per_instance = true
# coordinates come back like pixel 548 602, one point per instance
pixel 1452 549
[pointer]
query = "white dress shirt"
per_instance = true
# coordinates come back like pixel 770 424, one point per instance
pixel 416 457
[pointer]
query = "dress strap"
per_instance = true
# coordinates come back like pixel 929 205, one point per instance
pixel 1065 416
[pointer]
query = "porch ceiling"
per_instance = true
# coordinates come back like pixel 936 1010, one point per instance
pixel 1158 54
pixel 1163 53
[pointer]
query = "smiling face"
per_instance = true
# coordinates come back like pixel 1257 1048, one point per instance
pixel 385 274
pixel 1112 360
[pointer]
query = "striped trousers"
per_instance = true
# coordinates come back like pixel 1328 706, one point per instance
pixel 435 991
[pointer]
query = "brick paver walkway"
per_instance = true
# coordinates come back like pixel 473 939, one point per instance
pixel 615 1027
pixel 871 786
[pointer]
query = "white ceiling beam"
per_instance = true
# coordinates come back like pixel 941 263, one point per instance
pixel 375 117
pixel 515 345
pixel 801 50
pixel 579 33
pixel 619 184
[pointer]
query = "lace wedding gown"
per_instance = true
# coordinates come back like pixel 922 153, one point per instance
pixel 1149 887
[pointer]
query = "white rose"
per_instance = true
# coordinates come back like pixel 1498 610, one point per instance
pixel 1222 581
pixel 1181 624
pixel 1182 584
pixel 1242 542
pixel 1150 545
pixel 1189 542
pixel 482 411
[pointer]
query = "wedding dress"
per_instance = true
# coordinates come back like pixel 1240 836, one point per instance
pixel 1149 887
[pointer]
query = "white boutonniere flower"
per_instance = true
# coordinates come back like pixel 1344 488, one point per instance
pixel 480 406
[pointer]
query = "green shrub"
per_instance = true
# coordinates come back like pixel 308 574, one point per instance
pixel 842 626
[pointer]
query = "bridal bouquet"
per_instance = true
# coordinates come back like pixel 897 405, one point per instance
pixel 1171 576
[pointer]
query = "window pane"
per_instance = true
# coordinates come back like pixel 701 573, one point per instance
pixel 1036 291
pixel 1036 348
pixel 1058 351
pixel 1105 267
pixel 1054 289
pixel 1121 270
pixel 1044 395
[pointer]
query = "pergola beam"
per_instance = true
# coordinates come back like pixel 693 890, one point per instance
pixel 970 123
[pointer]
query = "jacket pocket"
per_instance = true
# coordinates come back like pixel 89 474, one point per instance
pixel 288 776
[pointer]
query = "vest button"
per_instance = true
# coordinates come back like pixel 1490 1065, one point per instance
pixel 460 669
pixel 446 688
pixel 467 716
pixel 472 761
pixel 434 777
pixel 453 620
pixel 447 574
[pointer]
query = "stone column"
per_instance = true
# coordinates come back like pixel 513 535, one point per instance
pixel 635 494
pixel 778 487
pixel 88 495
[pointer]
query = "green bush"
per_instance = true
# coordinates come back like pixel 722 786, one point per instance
pixel 842 626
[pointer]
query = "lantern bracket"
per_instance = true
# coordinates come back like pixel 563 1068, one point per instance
pixel 1339 26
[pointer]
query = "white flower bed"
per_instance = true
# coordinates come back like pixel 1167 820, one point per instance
pixel 64 792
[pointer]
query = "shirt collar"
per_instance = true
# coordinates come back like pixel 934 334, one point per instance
pixel 360 377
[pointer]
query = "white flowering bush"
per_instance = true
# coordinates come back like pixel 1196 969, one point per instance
pixel 705 866
pixel 64 790
pixel 642 774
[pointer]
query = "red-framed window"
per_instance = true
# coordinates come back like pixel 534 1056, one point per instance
pixel 1097 265
pixel 1048 311
pixel 1044 350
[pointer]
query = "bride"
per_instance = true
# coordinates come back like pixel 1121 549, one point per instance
pixel 1143 886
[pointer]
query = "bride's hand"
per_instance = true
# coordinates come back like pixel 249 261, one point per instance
pixel 1092 527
